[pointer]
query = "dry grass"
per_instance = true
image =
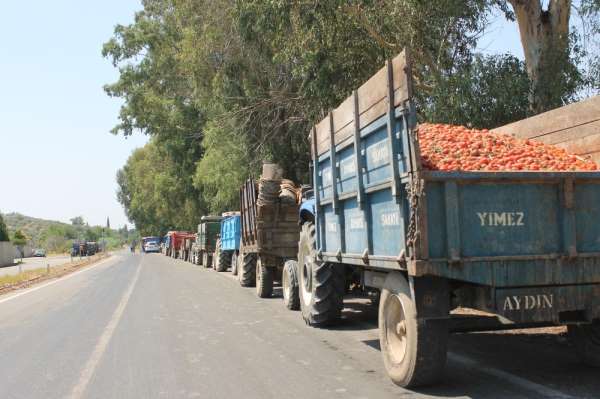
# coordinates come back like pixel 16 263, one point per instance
pixel 29 277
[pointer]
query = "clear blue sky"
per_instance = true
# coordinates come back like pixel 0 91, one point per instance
pixel 57 157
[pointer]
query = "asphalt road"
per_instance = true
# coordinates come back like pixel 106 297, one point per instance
pixel 35 263
pixel 146 326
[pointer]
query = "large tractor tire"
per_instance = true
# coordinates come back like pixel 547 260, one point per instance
pixel 414 351
pixel 289 283
pixel 322 285
pixel 586 339
pixel 234 263
pixel 223 261
pixel 247 268
pixel 264 279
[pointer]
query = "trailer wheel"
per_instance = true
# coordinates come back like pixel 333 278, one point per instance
pixel 206 259
pixel 414 351
pixel 247 269
pixel 264 279
pixel 322 285
pixel 289 283
pixel 234 263
pixel 223 260
pixel 586 339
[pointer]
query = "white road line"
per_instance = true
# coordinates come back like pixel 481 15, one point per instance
pixel 102 344
pixel 58 280
pixel 510 378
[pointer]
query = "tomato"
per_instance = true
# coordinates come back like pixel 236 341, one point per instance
pixel 449 147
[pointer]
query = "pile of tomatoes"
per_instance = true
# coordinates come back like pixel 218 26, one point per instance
pixel 448 147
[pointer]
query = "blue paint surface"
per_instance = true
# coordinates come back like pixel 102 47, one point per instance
pixel 379 225
pixel 496 228
pixel 230 233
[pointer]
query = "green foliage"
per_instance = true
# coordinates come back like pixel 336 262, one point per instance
pixel 156 192
pixel 225 165
pixel 19 238
pixel 488 92
pixel 77 221
pixel 3 230
pixel 57 237
pixel 223 85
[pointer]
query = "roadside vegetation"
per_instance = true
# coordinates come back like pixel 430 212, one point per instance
pixel 3 230
pixel 223 85
pixel 56 237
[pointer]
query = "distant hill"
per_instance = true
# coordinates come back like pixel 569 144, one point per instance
pixel 57 237
pixel 32 227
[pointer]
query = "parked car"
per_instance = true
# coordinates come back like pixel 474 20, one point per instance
pixel 39 253
pixel 151 246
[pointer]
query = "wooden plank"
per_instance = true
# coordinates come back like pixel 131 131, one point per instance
pixel 556 120
pixel 344 114
pixel 372 103
pixel 572 133
pixel 582 146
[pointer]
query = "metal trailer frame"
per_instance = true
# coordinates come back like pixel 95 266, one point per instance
pixel 378 211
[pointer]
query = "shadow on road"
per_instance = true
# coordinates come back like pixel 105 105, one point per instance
pixel 529 359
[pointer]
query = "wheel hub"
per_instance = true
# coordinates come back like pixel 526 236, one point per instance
pixel 396 329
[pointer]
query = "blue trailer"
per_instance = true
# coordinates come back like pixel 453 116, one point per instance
pixel 228 244
pixel 524 246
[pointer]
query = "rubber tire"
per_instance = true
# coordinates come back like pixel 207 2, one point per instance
pixel 321 285
pixel 264 279
pixel 234 263
pixel 426 341
pixel 289 285
pixel 586 339
pixel 223 261
pixel 247 269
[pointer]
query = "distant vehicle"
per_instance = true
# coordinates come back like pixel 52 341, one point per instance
pixel 79 248
pixel 39 253
pixel 91 248
pixel 206 240
pixel 146 240
pixel 151 246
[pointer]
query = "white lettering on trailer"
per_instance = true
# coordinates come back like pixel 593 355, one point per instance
pixel 327 177
pixel 501 218
pixel 379 153
pixel 529 302
pixel 390 218
pixel 347 167
pixel 357 223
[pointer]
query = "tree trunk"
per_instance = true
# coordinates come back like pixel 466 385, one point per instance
pixel 545 40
